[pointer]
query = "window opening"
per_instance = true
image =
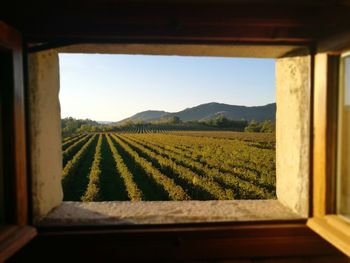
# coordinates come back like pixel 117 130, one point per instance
pixel 167 128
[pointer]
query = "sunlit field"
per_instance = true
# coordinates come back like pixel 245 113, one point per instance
pixel 178 165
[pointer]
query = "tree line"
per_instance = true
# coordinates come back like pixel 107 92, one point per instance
pixel 72 126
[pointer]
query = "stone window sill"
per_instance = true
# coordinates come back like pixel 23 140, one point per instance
pixel 166 212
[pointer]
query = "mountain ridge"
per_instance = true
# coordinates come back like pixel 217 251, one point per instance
pixel 209 111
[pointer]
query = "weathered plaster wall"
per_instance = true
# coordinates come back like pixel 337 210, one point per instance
pixel 258 51
pixel 293 132
pixel 45 129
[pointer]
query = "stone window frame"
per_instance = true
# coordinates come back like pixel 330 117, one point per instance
pixel 293 117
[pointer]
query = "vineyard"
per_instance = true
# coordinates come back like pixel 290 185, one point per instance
pixel 177 165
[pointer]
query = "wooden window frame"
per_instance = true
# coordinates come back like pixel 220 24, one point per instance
pixel 16 232
pixel 325 221
pixel 341 98
pixel 182 241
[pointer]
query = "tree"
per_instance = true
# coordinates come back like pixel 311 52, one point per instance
pixel 70 125
pixel 175 120
pixel 268 126
pixel 253 126
pixel 222 122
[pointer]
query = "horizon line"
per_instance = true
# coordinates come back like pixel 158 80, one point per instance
pixel 168 112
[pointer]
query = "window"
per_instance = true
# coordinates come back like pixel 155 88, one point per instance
pixel 328 213
pixel 292 77
pixel 343 200
pixel 167 128
pixel 204 23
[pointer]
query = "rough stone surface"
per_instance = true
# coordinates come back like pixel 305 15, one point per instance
pixel 293 132
pixel 165 212
pixel 253 51
pixel 45 132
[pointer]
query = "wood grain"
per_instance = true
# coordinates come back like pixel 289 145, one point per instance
pixel 13 238
pixel 187 242
pixel 334 229
pixel 325 133
pixel 118 21
pixel 178 21
pixel 9 37
pixel 15 233
pixel 14 131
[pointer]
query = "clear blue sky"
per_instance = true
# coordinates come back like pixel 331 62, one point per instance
pixel 114 87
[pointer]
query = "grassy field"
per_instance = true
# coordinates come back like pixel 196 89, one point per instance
pixel 179 165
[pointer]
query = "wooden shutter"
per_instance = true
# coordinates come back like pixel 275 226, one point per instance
pixel 15 231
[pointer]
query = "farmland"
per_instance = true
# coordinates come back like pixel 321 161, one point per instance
pixel 177 165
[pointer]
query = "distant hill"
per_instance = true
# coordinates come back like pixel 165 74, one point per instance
pixel 150 115
pixel 233 112
pixel 211 110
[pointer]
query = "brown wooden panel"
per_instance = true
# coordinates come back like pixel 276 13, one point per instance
pixel 181 21
pixel 334 229
pixel 324 259
pixel 8 36
pixel 101 21
pixel 14 127
pixel 176 243
pixel 19 138
pixel 13 238
pixel 14 231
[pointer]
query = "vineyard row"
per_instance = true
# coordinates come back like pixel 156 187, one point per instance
pixel 121 166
